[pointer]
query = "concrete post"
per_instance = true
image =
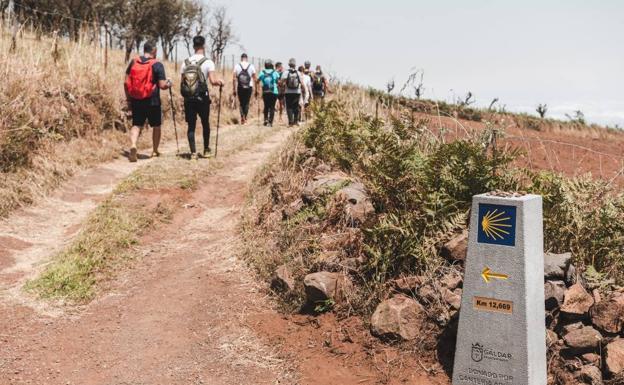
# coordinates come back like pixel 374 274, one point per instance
pixel 501 338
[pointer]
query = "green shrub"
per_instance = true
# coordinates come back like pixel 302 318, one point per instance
pixel 583 216
pixel 422 190
pixel 421 187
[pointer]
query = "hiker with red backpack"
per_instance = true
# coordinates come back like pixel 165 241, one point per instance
pixel 145 77
pixel 244 77
pixel 197 71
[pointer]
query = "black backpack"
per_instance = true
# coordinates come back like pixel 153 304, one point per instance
pixel 244 79
pixel 292 81
pixel 318 84
pixel 194 84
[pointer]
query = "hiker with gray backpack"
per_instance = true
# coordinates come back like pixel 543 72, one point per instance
pixel 243 79
pixel 292 81
pixel 197 71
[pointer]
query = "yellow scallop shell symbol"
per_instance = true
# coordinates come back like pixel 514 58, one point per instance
pixel 494 224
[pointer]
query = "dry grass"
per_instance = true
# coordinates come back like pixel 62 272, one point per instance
pixel 108 238
pixel 55 118
pixel 58 118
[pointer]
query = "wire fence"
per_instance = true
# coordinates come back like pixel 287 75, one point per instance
pixel 539 151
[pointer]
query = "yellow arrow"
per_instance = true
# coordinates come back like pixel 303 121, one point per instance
pixel 488 274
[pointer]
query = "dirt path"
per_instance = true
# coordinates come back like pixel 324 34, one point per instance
pixel 180 317
pixel 188 312
pixel 30 235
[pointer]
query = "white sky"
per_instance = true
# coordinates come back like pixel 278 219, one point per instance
pixel 566 53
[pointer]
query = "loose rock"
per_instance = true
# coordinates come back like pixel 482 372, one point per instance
pixel 398 318
pixel 582 340
pixel 591 375
pixel 608 315
pixel 573 326
pixel 321 185
pixel 553 293
pixel 407 285
pixel 615 357
pixel 577 302
pixel 358 207
pixel 453 298
pixel 452 280
pixel 282 280
pixel 591 358
pixel 324 285
pixel 555 265
pixel 455 249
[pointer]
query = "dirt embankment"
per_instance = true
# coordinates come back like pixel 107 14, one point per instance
pixel 188 311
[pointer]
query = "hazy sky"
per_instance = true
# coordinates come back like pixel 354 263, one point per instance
pixel 567 53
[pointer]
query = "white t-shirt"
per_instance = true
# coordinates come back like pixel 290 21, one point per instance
pixel 207 67
pixel 251 70
pixel 307 82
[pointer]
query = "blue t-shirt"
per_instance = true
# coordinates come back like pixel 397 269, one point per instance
pixel 272 73
pixel 158 73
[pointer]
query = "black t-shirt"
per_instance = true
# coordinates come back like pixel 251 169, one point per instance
pixel 158 73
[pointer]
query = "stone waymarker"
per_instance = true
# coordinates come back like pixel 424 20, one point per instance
pixel 501 335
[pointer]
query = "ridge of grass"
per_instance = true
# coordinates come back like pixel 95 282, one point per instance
pixel 110 235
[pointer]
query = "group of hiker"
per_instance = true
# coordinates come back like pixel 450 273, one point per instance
pixel 292 89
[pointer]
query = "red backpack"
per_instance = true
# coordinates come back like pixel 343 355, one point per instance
pixel 139 82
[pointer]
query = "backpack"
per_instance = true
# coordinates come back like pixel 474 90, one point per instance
pixel 268 82
pixel 244 79
pixel 292 81
pixel 140 80
pixel 318 85
pixel 194 84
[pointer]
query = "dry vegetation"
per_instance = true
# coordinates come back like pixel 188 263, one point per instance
pixel 54 117
pixel 59 117
pixel 421 186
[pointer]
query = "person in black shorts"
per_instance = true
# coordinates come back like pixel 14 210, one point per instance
pixel 144 99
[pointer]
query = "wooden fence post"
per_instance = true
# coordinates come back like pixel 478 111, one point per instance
pixel 14 38
pixel 105 47
pixel 55 54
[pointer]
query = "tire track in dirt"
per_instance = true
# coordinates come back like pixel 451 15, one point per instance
pixel 48 226
pixel 179 317
pixel 29 236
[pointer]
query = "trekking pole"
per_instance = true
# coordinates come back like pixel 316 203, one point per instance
pixel 258 103
pixel 218 121
pixel 175 127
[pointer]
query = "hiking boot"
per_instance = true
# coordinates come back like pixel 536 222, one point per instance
pixel 207 153
pixel 155 154
pixel 133 155
pixel 194 156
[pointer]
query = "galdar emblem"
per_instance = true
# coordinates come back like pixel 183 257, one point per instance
pixel 477 352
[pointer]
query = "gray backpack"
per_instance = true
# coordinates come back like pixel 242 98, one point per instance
pixel 194 84
pixel 244 79
pixel 292 80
